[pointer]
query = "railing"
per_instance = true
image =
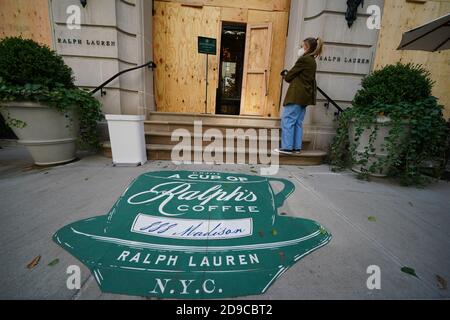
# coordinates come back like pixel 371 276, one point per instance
pixel 150 65
pixel 329 100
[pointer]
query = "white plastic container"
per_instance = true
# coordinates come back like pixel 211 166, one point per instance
pixel 127 138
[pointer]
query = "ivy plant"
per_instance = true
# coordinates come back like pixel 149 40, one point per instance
pixel 418 131
pixel 33 72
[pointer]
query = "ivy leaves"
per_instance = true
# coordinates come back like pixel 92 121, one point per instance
pixel 87 109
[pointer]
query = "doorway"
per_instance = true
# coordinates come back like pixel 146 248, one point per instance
pixel 232 54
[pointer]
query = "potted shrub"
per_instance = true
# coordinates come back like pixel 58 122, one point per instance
pixel 393 126
pixel 39 101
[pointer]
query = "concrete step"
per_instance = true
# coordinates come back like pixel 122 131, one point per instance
pixel 164 152
pixel 169 126
pixel 213 119
pixel 165 138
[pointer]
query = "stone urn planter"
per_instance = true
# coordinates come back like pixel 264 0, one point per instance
pixel 49 135
pixel 384 126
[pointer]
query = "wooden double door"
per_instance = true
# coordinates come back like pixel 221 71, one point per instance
pixel 180 79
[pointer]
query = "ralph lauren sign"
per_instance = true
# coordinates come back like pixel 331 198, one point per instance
pixel 182 234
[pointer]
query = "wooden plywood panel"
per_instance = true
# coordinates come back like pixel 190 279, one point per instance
pixel 400 16
pixel 180 81
pixel 256 69
pixel 26 19
pixel 255 98
pixel 266 5
pixel 279 21
pixel 159 54
pixel 234 15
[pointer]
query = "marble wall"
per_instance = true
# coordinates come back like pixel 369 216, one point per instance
pixel 348 56
pixel 113 35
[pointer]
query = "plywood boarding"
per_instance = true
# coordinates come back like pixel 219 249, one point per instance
pixel 180 76
pixel 234 15
pixel 400 16
pixel 29 19
pixel 255 87
pixel 279 21
pixel 267 5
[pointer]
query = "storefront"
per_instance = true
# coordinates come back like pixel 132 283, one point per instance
pixel 244 72
pixel 255 40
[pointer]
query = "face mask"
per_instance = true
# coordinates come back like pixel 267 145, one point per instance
pixel 301 52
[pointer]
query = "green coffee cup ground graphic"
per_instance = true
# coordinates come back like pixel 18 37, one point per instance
pixel 193 235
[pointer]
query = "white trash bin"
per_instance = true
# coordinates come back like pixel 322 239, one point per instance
pixel 127 137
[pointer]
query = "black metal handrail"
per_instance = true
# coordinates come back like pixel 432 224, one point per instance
pixel 150 64
pixel 329 100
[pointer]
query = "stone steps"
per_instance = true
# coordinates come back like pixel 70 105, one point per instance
pixel 246 133
pixel 217 120
pixel 164 152
pixel 165 138
pixel 170 126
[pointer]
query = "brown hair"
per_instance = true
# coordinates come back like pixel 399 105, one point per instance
pixel 315 46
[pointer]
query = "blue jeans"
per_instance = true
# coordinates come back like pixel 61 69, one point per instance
pixel 292 127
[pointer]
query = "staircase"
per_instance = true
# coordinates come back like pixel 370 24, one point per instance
pixel 159 128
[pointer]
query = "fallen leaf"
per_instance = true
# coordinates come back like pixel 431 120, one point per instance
pixel 274 232
pixel 372 219
pixel 254 171
pixel 442 284
pixel 409 271
pixel 34 263
pixel 53 263
pixel 410 203
pixel 283 213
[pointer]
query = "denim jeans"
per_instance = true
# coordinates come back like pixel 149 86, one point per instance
pixel 292 126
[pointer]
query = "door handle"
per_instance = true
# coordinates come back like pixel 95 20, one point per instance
pixel 265 82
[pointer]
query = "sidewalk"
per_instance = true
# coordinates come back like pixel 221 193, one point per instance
pixel 410 228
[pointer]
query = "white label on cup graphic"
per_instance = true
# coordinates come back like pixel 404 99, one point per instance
pixel 191 228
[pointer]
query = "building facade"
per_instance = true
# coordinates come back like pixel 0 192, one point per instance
pixel 254 41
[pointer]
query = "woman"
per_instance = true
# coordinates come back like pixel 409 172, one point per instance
pixel 301 93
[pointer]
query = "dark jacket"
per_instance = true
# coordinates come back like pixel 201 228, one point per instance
pixel 302 82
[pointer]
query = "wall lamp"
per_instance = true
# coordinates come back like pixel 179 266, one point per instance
pixel 83 3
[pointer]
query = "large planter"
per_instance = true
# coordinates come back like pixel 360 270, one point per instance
pixel 49 135
pixel 384 126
